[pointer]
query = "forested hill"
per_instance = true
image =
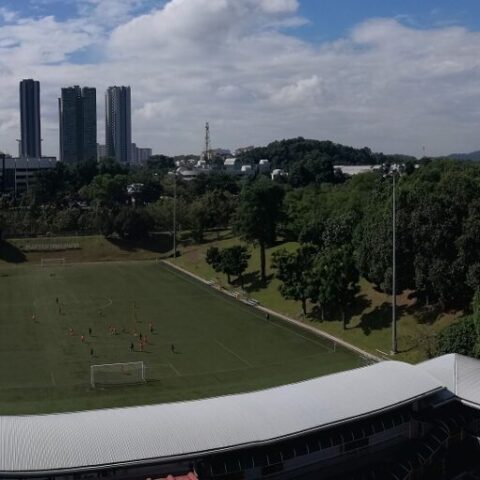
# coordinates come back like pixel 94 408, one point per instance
pixel 285 153
pixel 474 156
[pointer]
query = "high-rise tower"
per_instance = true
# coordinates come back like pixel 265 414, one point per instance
pixel 77 109
pixel 118 123
pixel 30 128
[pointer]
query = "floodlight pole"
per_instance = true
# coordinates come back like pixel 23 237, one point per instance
pixel 174 215
pixel 394 267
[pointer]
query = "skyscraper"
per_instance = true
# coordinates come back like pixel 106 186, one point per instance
pixel 30 128
pixel 118 123
pixel 77 109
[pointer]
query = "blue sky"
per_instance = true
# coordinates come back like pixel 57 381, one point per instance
pixel 329 19
pixel 396 76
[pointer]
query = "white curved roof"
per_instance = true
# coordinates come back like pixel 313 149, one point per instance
pixel 459 374
pixel 119 436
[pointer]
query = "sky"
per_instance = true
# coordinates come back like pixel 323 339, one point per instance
pixel 396 76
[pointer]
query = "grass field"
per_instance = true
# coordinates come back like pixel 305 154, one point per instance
pixel 221 345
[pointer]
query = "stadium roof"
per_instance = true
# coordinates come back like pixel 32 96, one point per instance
pixel 459 374
pixel 115 437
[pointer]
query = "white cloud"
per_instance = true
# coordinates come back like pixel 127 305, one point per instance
pixel 7 15
pixel 305 90
pixel 279 6
pixel 386 85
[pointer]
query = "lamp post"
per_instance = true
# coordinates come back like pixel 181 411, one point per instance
pixel 174 215
pixel 394 267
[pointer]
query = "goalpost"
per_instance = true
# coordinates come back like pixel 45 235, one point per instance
pixel 52 262
pixel 128 373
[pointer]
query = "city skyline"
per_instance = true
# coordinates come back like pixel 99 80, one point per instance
pixel 395 77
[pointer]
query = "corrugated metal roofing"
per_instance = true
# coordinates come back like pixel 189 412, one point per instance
pixel 117 436
pixel 460 374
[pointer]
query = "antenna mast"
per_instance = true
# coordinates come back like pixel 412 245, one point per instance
pixel 207 143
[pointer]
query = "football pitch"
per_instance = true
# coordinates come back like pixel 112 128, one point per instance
pixel 221 346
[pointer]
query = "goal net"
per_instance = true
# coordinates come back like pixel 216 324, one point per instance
pixel 52 262
pixel 129 373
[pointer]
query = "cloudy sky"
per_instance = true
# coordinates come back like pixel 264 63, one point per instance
pixel 392 75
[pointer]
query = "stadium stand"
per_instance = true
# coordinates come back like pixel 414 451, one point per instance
pixel 390 420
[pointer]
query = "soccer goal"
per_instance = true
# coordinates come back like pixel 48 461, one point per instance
pixel 130 373
pixel 52 262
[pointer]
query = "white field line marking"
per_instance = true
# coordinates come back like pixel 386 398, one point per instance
pixel 174 369
pixel 218 342
pixel 53 379
pixel 108 304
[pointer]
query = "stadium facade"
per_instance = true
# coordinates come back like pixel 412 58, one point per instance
pixel 390 420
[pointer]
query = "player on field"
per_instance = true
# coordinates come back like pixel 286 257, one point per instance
pixel 131 347
pixel 82 338
pixel 172 348
pixel 33 317
pixel 90 331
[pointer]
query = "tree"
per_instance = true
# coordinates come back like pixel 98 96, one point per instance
pixel 214 258
pixel 347 281
pixel 234 261
pixel 230 261
pixel 132 224
pixel 258 215
pixel 107 190
pixel 197 219
pixel 458 338
pixel 294 270
pixel 336 278
pixel 104 221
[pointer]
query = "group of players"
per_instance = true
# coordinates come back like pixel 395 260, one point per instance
pixel 142 340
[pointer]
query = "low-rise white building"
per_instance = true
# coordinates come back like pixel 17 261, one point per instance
pixel 232 164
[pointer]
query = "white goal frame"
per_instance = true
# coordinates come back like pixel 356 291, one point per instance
pixel 52 262
pixel 117 367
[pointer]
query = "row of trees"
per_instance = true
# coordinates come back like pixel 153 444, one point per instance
pixel 328 277
pixel 438 228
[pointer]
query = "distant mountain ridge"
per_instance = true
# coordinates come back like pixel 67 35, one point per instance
pixel 474 156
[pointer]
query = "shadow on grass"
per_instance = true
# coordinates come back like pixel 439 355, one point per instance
pixel 159 243
pixel 362 302
pixel 426 315
pixel 379 318
pixel 253 283
pixel 10 253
